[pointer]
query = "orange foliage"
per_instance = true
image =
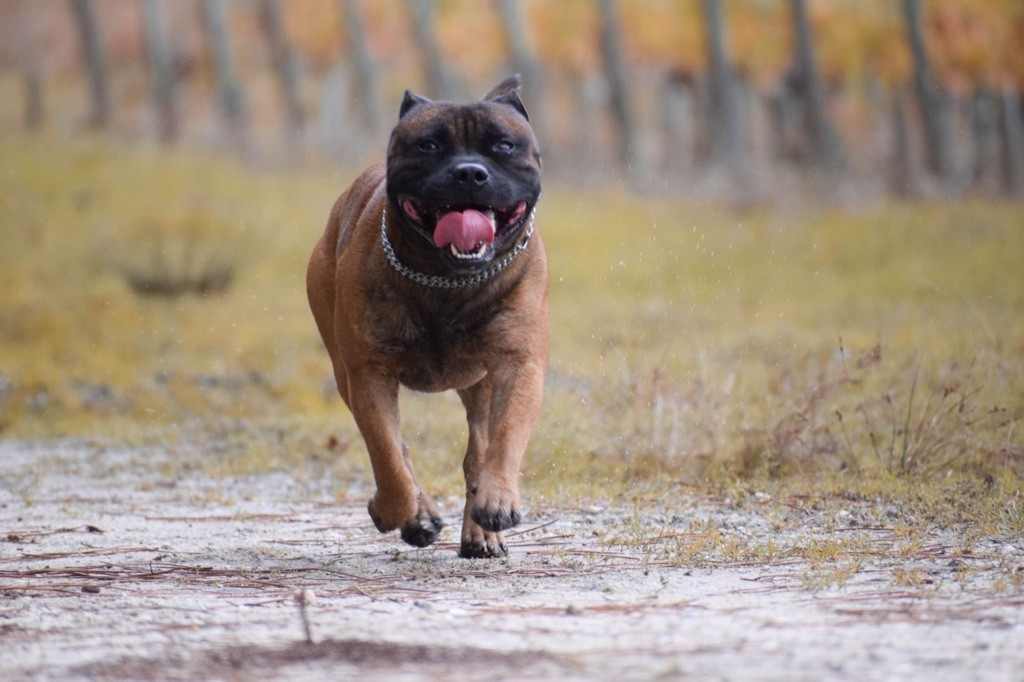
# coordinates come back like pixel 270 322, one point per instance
pixel 969 38
pixel 316 26
pixel 971 42
pixel 1013 59
pixel 664 32
pixel 866 38
pixel 761 38
pixel 472 38
pixel 566 33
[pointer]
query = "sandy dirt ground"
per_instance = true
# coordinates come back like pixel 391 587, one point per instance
pixel 108 571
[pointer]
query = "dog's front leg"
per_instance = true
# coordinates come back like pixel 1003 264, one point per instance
pixel 477 543
pixel 398 503
pixel 516 395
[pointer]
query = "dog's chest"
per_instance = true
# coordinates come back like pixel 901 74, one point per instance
pixel 437 348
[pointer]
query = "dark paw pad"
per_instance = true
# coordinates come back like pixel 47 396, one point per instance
pixel 480 550
pixel 473 550
pixel 496 521
pixel 422 532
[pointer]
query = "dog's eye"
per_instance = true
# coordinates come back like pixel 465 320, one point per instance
pixel 428 146
pixel 505 146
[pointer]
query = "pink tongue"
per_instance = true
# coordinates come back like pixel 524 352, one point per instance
pixel 465 229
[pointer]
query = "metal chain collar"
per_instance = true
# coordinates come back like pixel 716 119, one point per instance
pixel 440 282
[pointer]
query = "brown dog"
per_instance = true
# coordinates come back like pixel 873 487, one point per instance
pixel 431 275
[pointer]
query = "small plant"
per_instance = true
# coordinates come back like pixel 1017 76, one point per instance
pixel 824 412
pixel 175 254
pixel 931 435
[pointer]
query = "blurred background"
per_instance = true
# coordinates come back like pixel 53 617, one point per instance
pixel 785 236
pixel 714 97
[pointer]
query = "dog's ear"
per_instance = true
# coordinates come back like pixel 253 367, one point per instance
pixel 507 92
pixel 410 102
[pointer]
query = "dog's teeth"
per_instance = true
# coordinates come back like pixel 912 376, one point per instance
pixel 477 251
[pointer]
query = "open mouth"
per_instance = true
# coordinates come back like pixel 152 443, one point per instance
pixel 467 232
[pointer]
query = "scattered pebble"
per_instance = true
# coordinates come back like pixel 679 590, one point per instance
pixel 304 597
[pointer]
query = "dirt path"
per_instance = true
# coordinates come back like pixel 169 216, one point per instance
pixel 107 574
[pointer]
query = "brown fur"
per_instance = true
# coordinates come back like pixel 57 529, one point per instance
pixel 489 342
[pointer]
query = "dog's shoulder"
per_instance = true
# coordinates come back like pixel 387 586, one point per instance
pixel 353 203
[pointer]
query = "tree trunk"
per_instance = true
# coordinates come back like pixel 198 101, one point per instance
pixel 285 66
pixel 1013 142
pixel 229 92
pixel 362 63
pixel 930 98
pixel 983 169
pixel 334 99
pixel 588 98
pixel 161 70
pixel 34 112
pixel 524 61
pixel 439 79
pixel 784 117
pixel 615 73
pixel 92 53
pixel 825 145
pixel 676 108
pixel 725 116
pixel 902 181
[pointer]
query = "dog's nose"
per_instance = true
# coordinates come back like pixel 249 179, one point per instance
pixel 471 173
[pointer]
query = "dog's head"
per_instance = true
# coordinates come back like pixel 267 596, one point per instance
pixel 465 177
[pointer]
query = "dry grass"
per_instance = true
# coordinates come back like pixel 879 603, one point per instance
pixel 171 255
pixel 691 342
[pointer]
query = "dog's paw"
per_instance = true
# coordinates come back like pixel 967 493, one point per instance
pixel 420 527
pixel 495 504
pixel 378 521
pixel 496 517
pixel 389 513
pixel 478 543
pixel 422 530
pixel 490 547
